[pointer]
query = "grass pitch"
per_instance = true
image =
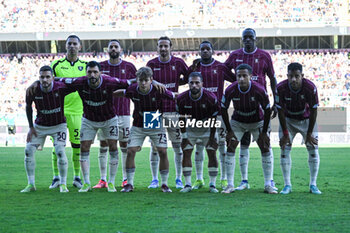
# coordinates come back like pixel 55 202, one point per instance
pixel 147 210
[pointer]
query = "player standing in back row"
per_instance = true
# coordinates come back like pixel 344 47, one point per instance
pixel 168 70
pixel 70 66
pixel 116 67
pixel 262 66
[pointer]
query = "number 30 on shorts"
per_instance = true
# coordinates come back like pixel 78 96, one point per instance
pixel 61 136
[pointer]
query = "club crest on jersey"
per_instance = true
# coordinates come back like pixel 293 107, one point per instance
pixel 173 67
pixel 153 99
pixel 256 60
pixel 302 97
pixel 214 71
pixel 104 92
pixel 252 98
pixel 203 106
pixel 56 94
pixel 123 71
pixel 80 68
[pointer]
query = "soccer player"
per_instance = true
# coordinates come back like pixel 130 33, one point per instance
pixel 146 99
pixel 168 70
pixel 251 114
pixel 96 91
pixel 297 103
pixel 70 66
pixel 116 67
pixel 50 121
pixel 214 74
pixel 262 66
pixel 202 105
pixel 11 127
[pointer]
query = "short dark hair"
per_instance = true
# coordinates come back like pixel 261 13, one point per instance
pixel 114 40
pixel 165 38
pixel 207 42
pixel 245 67
pixel 46 68
pixel 195 74
pixel 295 66
pixel 249 29
pixel 93 64
pixel 73 36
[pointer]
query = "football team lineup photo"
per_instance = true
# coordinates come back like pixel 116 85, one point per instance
pixel 175 116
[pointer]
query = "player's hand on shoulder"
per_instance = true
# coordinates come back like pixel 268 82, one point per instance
pixel 30 134
pixel 159 86
pixel 32 88
pixel 195 63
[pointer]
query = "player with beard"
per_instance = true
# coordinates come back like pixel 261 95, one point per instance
pixel 251 114
pixel 116 67
pixel 168 70
pixel 297 103
pixel 50 121
pixel 261 63
pixel 202 105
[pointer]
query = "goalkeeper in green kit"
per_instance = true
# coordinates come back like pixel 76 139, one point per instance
pixel 70 67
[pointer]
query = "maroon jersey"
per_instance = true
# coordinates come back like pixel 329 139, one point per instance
pixel 259 60
pixel 49 105
pixel 249 105
pixel 297 104
pixel 206 106
pixel 169 74
pixel 214 76
pixel 152 101
pixel 122 70
pixel 97 102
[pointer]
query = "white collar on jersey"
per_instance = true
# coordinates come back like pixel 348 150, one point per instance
pixel 145 93
pixel 120 62
pixel 165 61
pixel 189 93
pixel 256 48
pixel 41 88
pixel 245 92
pixel 209 63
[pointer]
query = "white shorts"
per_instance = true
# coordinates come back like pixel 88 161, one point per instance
pixel 239 128
pixel 298 126
pixel 198 136
pixel 123 129
pixel 174 133
pixel 138 135
pixel 57 132
pixel 221 132
pixel 108 128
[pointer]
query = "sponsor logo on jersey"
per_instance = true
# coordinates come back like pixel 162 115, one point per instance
pixel 86 92
pixel 95 104
pixel 170 85
pixel 38 97
pixel 80 68
pixel 211 89
pixel 64 68
pixel 286 98
pixel 105 71
pixel 156 69
pixel 236 99
pixel 187 106
pixel 51 111
pixel 239 60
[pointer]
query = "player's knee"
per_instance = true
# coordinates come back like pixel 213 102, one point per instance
pixel 114 157
pixel 123 144
pixel 245 141
pixel 123 149
pixel 29 151
pixel 60 151
pixel 103 143
pixel 162 152
pixel 176 147
pixel 84 156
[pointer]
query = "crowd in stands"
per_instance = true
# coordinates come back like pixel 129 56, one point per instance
pixel 102 15
pixel 329 70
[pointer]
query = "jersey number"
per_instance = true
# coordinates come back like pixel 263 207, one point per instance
pixel 61 136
